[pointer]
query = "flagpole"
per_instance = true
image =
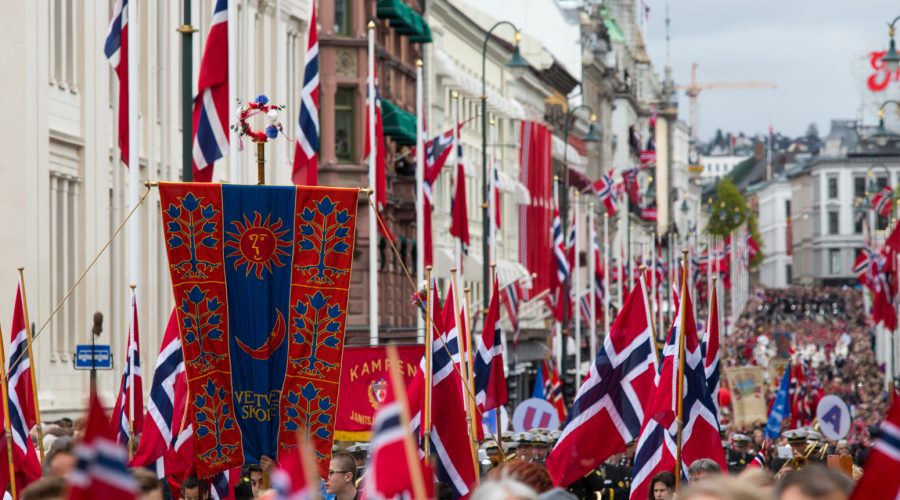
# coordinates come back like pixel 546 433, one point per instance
pixel 592 282
pixel 426 425
pixel 679 383
pixel 420 194
pixel 134 136
pixel 234 170
pixel 654 286
pixel 606 272
pixel 473 422
pixel 463 372
pixel 577 290
pixel 409 449
pixel 650 318
pixel 457 247
pixel 131 376
pixel 31 361
pixel 6 424
pixel 557 326
pixel 492 199
pixel 373 230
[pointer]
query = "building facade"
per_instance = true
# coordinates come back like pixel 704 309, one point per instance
pixel 774 220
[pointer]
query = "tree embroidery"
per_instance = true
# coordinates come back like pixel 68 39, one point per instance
pixel 200 325
pixel 317 324
pixel 213 417
pixel 325 232
pixel 192 225
pixel 315 420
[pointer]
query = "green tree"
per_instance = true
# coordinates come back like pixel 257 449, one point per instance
pixel 729 210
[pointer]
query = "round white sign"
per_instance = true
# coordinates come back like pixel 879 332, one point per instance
pixel 834 417
pixel 489 421
pixel 535 413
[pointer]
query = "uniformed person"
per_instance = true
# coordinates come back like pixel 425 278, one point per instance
pixel 738 455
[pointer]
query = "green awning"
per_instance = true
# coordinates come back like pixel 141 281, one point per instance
pixel 612 27
pixel 399 125
pixel 404 20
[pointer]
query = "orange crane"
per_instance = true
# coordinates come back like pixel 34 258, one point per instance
pixel 693 91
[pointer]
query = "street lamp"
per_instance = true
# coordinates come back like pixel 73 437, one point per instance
pixel 517 66
pixel 892 59
pixel 896 104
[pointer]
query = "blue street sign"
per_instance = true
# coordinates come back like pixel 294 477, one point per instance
pixel 96 356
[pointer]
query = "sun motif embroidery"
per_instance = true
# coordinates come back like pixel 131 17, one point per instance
pixel 259 244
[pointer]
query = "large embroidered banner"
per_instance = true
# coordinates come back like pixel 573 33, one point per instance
pixel 365 375
pixel 260 276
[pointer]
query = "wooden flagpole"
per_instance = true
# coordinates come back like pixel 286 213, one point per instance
pixel 650 318
pixel 32 365
pixel 412 458
pixel 470 365
pixel 6 424
pixel 679 383
pixel 464 371
pixel 426 425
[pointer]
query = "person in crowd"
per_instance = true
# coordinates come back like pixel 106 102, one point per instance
pixel 722 488
pixel 531 474
pixel 662 486
pixel 60 458
pixel 149 486
pixel 194 489
pixel 503 489
pixel 702 469
pixel 255 475
pixel 738 455
pixel 814 482
pixel 341 476
pixel 45 488
pixel 759 478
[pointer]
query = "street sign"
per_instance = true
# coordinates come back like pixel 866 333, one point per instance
pixel 834 417
pixel 89 356
pixel 535 413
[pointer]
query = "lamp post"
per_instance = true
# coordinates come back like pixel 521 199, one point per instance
pixel 892 59
pixel 896 104
pixel 591 136
pixel 517 65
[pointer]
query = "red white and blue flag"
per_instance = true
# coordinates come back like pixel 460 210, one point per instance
pixel 512 295
pixel 211 107
pixel 490 381
pixel 880 478
pixel 380 161
pixel 116 50
pixel 648 156
pixel 128 414
pixel 459 214
pixel 604 187
pixel 611 400
pixel 437 151
pixel 710 349
pixel 559 249
pixel 101 469
pixel 168 385
pixel 21 403
pixel 306 155
pixel 882 201
pixel 449 435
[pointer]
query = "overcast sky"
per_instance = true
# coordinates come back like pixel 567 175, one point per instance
pixel 813 51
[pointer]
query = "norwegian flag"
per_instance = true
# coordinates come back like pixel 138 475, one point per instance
pixel 168 380
pixel 880 478
pixel 604 189
pixel 211 108
pixel 459 214
pixel 449 435
pixel 630 181
pixel 710 350
pixel 380 156
pixel 101 470
pixel 648 156
pixel 700 430
pixel 752 247
pixel 21 404
pixel 490 380
pixel 610 401
pixel 759 460
pixel 512 294
pixel 599 291
pixel 305 170
pixel 389 454
pixel 125 415
pixel 553 388
pixel 802 411
pixel 882 201
pixel 559 249
pixel 437 151
pixel 116 50
pixel 293 479
pixel 865 260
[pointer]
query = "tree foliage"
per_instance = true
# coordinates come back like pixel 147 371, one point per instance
pixel 729 211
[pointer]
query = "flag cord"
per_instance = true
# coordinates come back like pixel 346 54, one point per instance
pixel 90 266
pixel 412 283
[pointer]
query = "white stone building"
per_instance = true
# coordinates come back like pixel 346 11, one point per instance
pixel 774 220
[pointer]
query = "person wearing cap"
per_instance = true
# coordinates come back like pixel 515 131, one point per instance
pixel 526 443
pixel 540 449
pixel 738 455
pixel 610 480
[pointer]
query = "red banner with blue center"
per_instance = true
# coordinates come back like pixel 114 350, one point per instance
pixel 260 276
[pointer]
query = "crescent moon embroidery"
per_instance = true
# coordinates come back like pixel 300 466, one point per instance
pixel 276 337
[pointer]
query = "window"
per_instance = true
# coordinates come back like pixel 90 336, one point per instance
pixel 859 187
pixel 858 223
pixel 833 225
pixel 342 17
pixel 787 209
pixel 832 188
pixel 834 261
pixel 344 113
pixel 788 274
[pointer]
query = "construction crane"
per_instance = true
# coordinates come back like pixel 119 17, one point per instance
pixel 694 89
